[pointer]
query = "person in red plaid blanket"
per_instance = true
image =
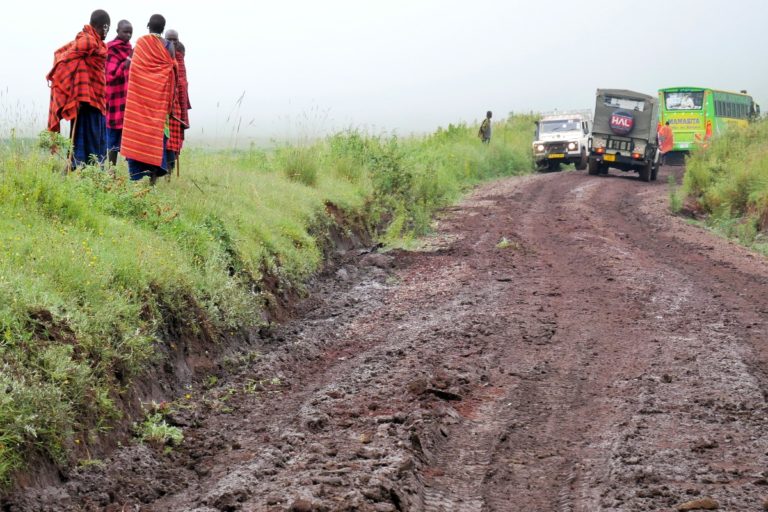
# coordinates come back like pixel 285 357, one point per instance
pixel 78 90
pixel 179 121
pixel 118 61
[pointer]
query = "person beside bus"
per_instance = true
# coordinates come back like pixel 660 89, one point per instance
pixel 666 141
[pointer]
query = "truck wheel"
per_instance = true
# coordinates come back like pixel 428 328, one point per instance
pixel 655 172
pixel 592 167
pixel 645 172
pixel 582 163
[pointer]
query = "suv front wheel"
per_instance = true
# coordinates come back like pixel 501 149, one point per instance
pixel 583 161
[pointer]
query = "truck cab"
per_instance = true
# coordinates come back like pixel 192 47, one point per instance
pixel 562 138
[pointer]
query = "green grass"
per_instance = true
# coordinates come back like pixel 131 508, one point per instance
pixel 729 183
pixel 95 269
pixel 156 431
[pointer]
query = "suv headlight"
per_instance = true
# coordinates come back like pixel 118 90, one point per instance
pixel 540 148
pixel 572 146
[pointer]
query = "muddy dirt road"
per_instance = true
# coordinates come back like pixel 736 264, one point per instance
pixel 561 344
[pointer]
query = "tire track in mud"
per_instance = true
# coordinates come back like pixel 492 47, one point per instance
pixel 606 357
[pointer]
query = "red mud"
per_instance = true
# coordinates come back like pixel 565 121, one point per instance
pixel 607 357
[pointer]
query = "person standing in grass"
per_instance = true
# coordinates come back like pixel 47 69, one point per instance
pixel 148 106
pixel 485 128
pixel 179 121
pixel 118 60
pixel 78 91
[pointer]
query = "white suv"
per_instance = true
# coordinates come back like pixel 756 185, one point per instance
pixel 562 138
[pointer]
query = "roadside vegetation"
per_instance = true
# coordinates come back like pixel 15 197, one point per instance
pixel 97 272
pixel 728 183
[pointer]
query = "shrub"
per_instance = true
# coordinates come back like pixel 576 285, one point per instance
pixel 729 181
pixel 300 164
pixel 156 431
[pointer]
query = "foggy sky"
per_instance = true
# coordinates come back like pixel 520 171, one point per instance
pixel 308 67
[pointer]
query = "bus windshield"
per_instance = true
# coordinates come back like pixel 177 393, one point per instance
pixel 684 100
pixel 563 125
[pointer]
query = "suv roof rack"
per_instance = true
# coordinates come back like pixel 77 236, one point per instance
pixel 587 114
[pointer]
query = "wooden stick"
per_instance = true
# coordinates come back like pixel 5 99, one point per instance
pixel 71 155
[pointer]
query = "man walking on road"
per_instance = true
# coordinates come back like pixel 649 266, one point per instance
pixel 666 141
pixel 485 128
pixel 118 60
pixel 78 90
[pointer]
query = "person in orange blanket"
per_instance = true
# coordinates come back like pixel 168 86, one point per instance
pixel 149 103
pixel 666 141
pixel 78 90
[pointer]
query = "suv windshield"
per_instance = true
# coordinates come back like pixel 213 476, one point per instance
pixel 625 103
pixel 563 125
pixel 684 100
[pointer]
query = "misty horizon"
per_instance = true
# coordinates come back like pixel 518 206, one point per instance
pixel 308 69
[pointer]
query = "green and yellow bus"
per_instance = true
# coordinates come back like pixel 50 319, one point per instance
pixel 696 113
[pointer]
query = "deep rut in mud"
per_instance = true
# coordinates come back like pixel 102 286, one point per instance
pixel 560 344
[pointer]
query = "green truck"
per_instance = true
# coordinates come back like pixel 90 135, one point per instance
pixel 624 133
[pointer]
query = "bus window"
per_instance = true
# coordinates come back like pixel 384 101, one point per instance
pixel 684 100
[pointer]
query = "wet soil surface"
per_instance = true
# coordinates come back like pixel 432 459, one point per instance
pixel 561 343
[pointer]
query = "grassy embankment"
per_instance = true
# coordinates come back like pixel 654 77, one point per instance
pixel 728 182
pixel 93 269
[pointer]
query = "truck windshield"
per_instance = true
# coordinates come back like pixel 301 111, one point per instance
pixel 625 103
pixel 684 100
pixel 562 125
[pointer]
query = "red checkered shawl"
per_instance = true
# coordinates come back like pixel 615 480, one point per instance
pixel 180 119
pixel 77 77
pixel 117 81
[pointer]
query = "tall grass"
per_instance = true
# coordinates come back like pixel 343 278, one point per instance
pixel 94 268
pixel 729 182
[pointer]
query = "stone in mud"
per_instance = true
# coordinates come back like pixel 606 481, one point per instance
pixel 317 422
pixel 444 394
pixel 302 505
pixel 377 260
pixel 376 493
pixel 418 386
pixel 369 453
pixel 406 466
pixel 700 504
pixel 704 444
